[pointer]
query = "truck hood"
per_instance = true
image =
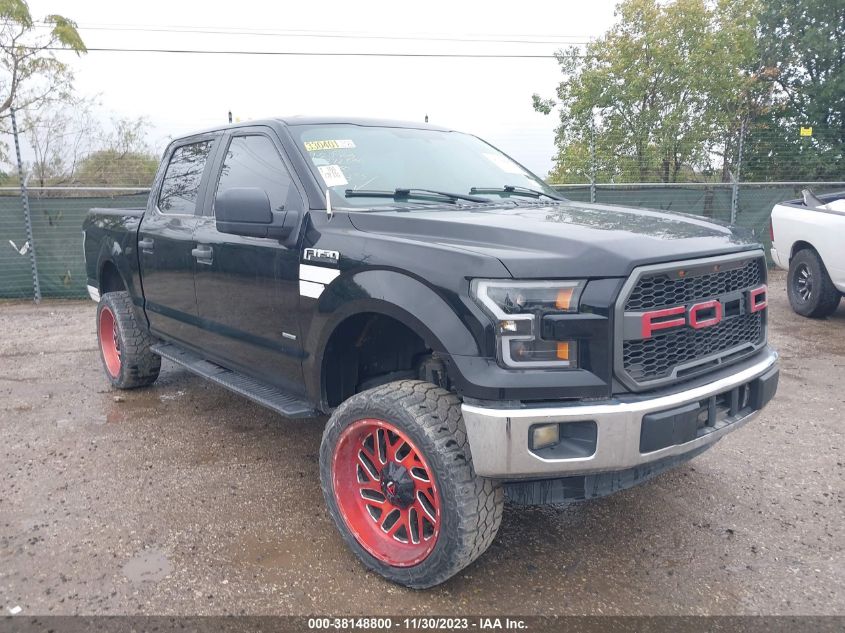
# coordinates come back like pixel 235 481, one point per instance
pixel 568 239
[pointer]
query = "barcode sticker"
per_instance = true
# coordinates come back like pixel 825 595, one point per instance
pixel 316 146
pixel 333 175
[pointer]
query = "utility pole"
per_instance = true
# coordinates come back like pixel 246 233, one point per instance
pixel 735 188
pixel 36 286
pixel 592 161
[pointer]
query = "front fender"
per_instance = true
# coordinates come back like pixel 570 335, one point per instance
pixel 432 316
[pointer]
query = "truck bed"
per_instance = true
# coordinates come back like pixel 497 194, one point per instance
pixel 816 224
pixel 108 232
pixel 833 202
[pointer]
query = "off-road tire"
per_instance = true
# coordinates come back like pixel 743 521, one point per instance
pixel 470 506
pixel 824 298
pixel 136 366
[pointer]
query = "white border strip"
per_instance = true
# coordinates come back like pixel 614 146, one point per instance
pixel 317 274
pixel 310 289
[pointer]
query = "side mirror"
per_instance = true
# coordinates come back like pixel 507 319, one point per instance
pixel 246 211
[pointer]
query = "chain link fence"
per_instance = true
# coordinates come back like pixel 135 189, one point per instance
pixel 57 214
pixel 747 204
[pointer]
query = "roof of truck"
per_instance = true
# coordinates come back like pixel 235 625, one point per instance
pixel 322 120
pixel 329 120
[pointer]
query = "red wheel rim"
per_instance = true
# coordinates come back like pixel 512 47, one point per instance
pixel 109 341
pixel 386 492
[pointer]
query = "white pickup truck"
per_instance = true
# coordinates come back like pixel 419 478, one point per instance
pixel 808 240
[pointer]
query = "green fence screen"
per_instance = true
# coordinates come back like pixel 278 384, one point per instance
pixel 57 235
pixel 754 201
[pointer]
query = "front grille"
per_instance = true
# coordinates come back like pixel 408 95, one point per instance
pixel 659 290
pixel 656 357
pixel 666 355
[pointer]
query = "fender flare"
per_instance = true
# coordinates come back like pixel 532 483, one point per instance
pixel 396 295
pixel 801 245
pixel 112 252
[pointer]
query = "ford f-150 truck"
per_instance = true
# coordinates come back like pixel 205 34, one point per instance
pixel 807 240
pixel 471 334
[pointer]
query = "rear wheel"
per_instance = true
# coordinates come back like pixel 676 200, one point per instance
pixel 811 292
pixel 124 343
pixel 397 476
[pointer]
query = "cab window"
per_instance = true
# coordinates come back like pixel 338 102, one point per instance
pixel 253 161
pixel 181 183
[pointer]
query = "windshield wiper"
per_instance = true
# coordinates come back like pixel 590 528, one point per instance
pixel 400 193
pixel 516 191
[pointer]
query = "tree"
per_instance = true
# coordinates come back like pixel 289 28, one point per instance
pixel 737 92
pixel 72 147
pixel 122 157
pixel 661 94
pixel 803 60
pixel 32 73
pixel 60 135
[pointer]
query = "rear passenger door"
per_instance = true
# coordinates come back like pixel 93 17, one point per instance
pixel 248 287
pixel 165 238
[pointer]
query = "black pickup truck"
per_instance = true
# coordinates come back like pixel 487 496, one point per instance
pixel 472 335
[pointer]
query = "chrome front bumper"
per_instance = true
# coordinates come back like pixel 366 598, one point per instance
pixel 499 437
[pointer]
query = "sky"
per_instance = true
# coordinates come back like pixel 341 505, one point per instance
pixel 181 93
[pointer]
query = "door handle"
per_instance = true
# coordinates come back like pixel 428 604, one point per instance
pixel 203 254
pixel 146 244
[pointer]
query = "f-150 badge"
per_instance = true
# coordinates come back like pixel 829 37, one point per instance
pixel 321 255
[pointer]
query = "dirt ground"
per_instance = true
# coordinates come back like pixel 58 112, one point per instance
pixel 186 499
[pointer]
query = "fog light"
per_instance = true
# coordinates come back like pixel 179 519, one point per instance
pixel 544 436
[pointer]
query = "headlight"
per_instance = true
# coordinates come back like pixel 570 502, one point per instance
pixel 517 307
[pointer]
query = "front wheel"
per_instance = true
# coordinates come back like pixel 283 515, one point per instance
pixel 125 343
pixel 397 475
pixel 811 292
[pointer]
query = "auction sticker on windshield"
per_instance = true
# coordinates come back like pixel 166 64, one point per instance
pixel 316 146
pixel 333 175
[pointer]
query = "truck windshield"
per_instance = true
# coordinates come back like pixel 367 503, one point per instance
pixel 359 159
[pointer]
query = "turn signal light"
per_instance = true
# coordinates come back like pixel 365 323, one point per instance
pixel 563 350
pixel 564 298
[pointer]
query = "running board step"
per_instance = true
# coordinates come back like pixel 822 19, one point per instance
pixel 257 391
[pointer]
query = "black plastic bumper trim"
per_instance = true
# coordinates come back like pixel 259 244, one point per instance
pixel 688 422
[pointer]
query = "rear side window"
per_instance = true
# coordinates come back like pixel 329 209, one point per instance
pixel 253 161
pixel 180 187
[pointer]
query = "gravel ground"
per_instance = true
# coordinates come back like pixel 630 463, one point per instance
pixel 186 499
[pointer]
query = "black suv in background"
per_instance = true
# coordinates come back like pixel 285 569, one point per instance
pixel 471 334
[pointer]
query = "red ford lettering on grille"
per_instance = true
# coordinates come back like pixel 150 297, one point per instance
pixel 758 299
pixel 697 322
pixel 699 316
pixel 652 320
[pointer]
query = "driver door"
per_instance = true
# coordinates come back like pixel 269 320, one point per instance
pixel 248 287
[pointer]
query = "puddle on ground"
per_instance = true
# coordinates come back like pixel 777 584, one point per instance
pixel 282 554
pixel 171 396
pixel 266 554
pixel 115 415
pixel 149 566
